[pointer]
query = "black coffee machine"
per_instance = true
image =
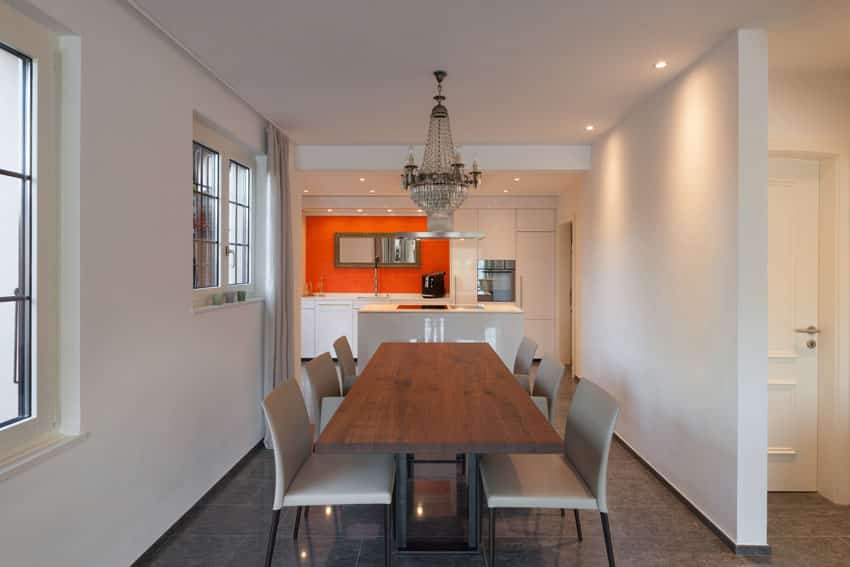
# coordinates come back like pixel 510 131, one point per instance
pixel 434 284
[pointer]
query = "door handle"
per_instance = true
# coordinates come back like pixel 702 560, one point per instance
pixel 810 330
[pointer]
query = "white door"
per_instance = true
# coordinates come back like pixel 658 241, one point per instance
pixel 792 307
pixel 535 280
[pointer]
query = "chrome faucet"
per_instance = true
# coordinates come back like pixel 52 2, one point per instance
pixel 376 276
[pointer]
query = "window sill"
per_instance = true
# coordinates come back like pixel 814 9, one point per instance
pixel 46 447
pixel 207 308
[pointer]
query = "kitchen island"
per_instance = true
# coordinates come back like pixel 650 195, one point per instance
pixel 500 325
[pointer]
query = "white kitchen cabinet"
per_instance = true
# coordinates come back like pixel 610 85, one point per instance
pixel 499 226
pixel 333 320
pixel 535 219
pixel 308 329
pixel 535 271
pixel 464 259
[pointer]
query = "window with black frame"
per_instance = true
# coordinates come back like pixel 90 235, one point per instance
pixel 15 235
pixel 205 219
pixel 239 213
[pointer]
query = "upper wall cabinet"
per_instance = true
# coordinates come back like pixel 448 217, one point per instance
pixel 499 226
pixel 535 219
pixel 464 284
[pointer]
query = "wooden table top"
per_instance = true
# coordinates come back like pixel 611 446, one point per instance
pixel 438 398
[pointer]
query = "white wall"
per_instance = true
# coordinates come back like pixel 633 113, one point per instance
pixel 671 314
pixel 170 398
pixel 809 115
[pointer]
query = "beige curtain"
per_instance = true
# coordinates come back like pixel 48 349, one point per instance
pixel 279 351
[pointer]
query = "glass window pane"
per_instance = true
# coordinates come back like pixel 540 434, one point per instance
pixel 212 218
pixel 10 231
pixel 205 217
pixel 243 186
pixel 231 221
pixel 245 264
pixel 11 111
pixel 9 390
pixel 233 180
pixel 242 225
pixel 206 265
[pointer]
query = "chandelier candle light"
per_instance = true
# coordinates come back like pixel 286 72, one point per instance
pixel 440 184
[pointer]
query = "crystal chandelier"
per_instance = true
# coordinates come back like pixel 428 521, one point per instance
pixel 440 184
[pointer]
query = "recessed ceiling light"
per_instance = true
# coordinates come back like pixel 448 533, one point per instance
pixel 303 555
pixel 371 190
pixel 420 511
pixel 505 191
pixel 389 210
pixel 362 180
pixel 306 190
pixel 359 210
pixel 660 64
pixel 328 510
pixel 589 127
pixel 516 178
pixel 330 210
pixel 418 210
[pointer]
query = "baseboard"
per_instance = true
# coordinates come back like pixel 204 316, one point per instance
pixel 148 555
pixel 749 550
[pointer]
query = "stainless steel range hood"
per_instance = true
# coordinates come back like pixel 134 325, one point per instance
pixel 440 228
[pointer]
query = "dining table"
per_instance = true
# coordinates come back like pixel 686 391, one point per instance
pixel 454 398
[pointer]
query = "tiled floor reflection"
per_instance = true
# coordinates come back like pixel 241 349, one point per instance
pixel 650 527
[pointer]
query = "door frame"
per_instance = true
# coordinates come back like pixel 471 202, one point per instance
pixel 831 460
pixel 561 225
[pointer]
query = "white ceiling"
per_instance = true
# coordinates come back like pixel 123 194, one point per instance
pixel 817 39
pixel 386 183
pixel 520 72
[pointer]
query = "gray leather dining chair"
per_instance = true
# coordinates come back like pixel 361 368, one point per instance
pixel 547 386
pixel 303 478
pixel 523 361
pixel 347 366
pixel 576 479
pixel 324 390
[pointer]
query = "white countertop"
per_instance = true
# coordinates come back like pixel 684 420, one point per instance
pixel 380 298
pixel 484 308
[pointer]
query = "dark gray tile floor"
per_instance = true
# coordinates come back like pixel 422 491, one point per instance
pixel 650 527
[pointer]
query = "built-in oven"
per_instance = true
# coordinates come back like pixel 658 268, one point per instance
pixel 496 280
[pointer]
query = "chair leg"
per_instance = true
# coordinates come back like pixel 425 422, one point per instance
pixel 578 525
pixel 491 561
pixel 272 537
pixel 609 548
pixel 306 512
pixel 297 523
pixel 388 514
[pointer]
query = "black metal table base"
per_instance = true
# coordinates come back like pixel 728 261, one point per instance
pixel 405 545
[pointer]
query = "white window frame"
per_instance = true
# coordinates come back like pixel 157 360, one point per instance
pixel 228 150
pixel 41 45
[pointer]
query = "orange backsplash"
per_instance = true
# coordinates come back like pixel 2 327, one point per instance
pixel 319 253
